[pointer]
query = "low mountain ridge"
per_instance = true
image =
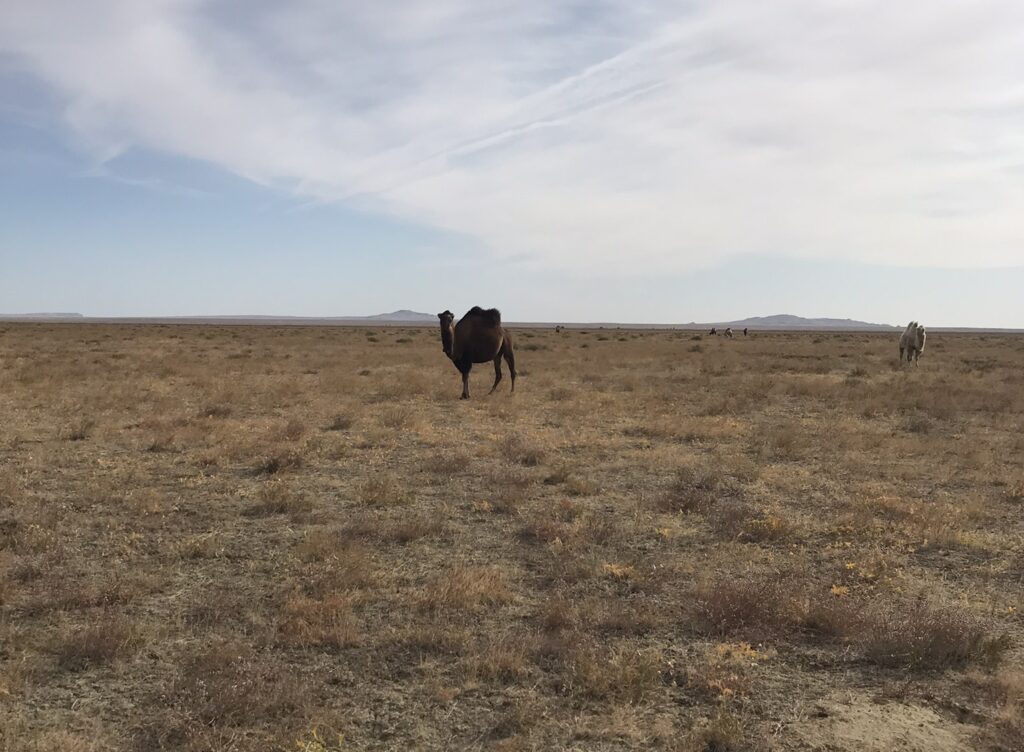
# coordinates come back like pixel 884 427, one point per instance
pixel 789 321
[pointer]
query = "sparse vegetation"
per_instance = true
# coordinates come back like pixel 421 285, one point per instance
pixel 270 538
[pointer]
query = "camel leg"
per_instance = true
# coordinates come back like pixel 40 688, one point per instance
pixel 497 372
pixel 510 358
pixel 901 355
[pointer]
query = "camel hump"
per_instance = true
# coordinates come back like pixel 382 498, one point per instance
pixel 491 315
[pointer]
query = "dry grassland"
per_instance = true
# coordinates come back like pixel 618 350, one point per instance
pixel 273 538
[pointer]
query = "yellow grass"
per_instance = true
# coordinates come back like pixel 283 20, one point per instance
pixel 271 538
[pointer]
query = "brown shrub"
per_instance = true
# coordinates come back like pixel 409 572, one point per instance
pixel 279 462
pixel 542 528
pixel 95 644
pixel 722 732
pixel 340 422
pixel 448 463
pixel 755 606
pixel 904 632
pixel 343 568
pixel 523 451
pixel 577 486
pixel 215 411
pixel 740 521
pixel 781 440
pixel 614 617
pixel 225 685
pixel 277 498
pixel 78 429
pixel 16 737
pixel 925 635
pixel 1008 688
pixel 557 614
pixel 695 489
pixel 433 639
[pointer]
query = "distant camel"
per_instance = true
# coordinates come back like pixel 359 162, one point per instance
pixel 728 332
pixel 744 331
pixel 713 332
pixel 912 342
pixel 479 337
pixel 559 328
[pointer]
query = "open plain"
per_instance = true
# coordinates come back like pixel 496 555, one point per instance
pixel 299 538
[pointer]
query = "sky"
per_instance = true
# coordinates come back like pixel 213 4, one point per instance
pixel 612 160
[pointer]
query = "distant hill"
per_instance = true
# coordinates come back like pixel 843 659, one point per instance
pixel 788 321
pixel 41 316
pixel 403 316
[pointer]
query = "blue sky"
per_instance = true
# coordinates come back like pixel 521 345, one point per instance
pixel 634 162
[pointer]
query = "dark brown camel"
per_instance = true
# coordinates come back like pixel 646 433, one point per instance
pixel 479 337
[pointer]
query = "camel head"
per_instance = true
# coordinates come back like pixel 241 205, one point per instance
pixel 447 334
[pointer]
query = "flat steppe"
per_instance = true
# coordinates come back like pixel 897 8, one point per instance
pixel 298 538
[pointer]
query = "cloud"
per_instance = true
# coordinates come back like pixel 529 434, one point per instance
pixel 610 136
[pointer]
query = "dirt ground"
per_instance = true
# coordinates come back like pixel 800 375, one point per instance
pixel 299 538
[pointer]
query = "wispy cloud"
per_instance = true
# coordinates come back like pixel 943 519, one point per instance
pixel 609 136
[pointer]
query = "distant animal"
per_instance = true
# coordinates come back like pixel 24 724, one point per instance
pixel 713 332
pixel 744 331
pixel 559 329
pixel 728 331
pixel 478 337
pixel 912 342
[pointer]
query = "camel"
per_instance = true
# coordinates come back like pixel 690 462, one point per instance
pixel 744 331
pixel 479 337
pixel 912 342
pixel 713 332
pixel 728 332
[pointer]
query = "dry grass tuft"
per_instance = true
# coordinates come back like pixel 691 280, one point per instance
pixel 1015 490
pixel 618 674
pixel 505 660
pixel 383 491
pixel 468 589
pixel 326 623
pixel 399 416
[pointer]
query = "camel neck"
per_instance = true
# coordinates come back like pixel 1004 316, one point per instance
pixel 446 340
